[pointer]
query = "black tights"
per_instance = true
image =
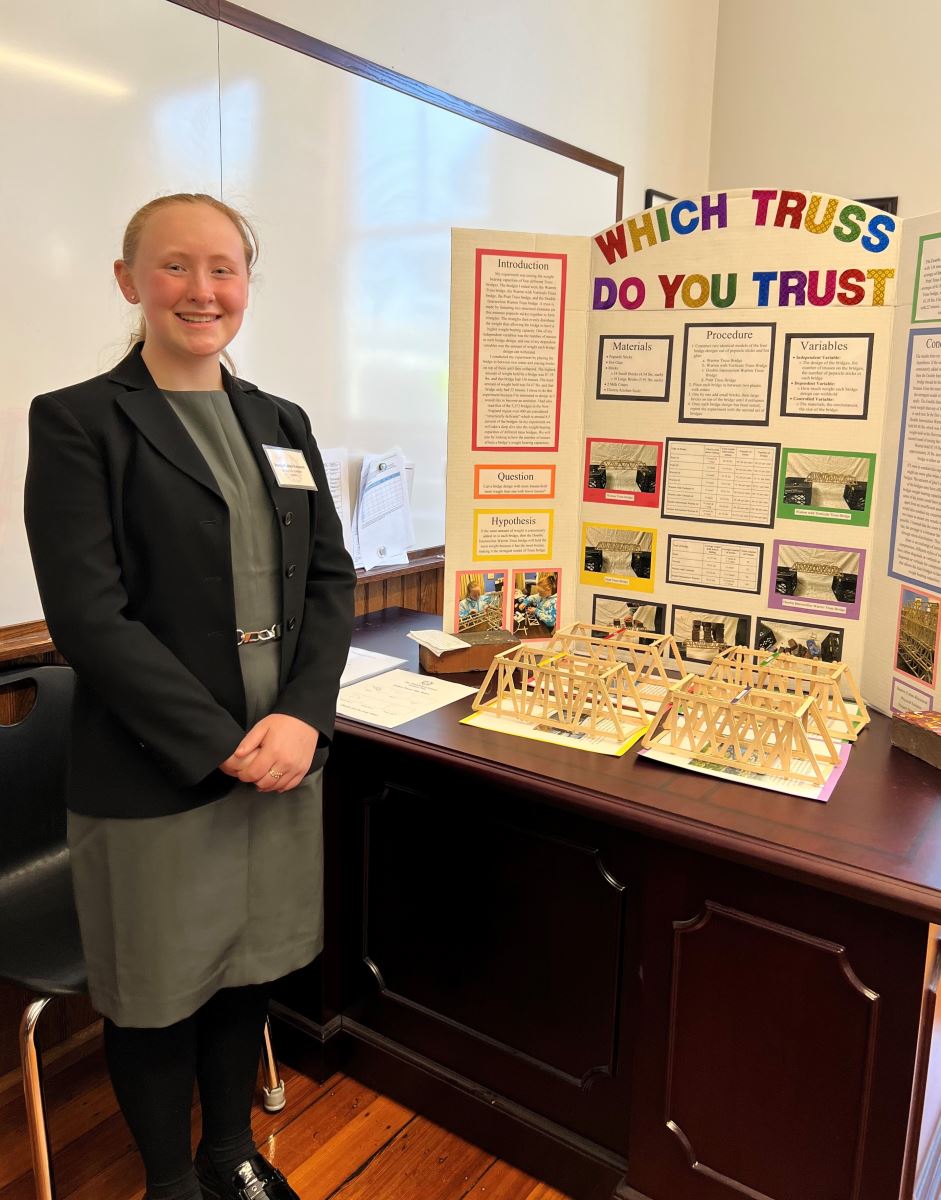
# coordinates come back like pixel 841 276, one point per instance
pixel 153 1071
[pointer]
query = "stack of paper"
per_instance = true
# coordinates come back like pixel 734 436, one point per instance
pixel 363 664
pixel 397 697
pixel 382 524
pixel 336 465
pixel 436 641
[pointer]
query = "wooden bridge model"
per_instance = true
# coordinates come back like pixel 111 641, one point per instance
pixel 756 730
pixel 489 617
pixel 829 684
pixel 591 679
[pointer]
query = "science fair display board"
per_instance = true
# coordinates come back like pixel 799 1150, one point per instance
pixel 717 419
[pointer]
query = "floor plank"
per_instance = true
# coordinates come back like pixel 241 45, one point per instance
pixel 542 1191
pixel 323 1147
pixel 423 1160
pixel 337 1140
pixel 78 1100
pixel 502 1182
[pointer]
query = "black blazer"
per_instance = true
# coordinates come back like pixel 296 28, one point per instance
pixel 130 541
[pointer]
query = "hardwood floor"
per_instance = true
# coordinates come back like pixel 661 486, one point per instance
pixel 336 1139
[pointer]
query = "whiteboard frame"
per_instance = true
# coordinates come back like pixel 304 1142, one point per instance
pixel 227 13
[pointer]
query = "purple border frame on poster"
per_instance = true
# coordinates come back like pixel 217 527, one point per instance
pixel 921 583
pixel 849 612
pixel 903 683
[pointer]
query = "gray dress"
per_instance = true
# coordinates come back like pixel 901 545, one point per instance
pixel 173 908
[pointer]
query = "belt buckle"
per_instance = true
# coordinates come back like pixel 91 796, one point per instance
pixel 245 637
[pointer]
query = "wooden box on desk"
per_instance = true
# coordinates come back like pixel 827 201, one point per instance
pixel 919 733
pixel 476 656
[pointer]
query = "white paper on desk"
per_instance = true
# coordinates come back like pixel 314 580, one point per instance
pixel 336 463
pixel 383 520
pixel 436 641
pixel 363 664
pixel 398 696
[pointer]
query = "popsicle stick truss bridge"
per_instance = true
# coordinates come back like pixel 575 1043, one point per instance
pixel 489 617
pixel 787 675
pixel 588 678
pixel 757 730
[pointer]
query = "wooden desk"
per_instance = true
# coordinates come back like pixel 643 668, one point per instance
pixel 631 979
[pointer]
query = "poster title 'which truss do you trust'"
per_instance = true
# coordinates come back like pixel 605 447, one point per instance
pixel 767 285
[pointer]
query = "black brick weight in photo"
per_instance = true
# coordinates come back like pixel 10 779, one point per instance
pixel 844 588
pixel 797 489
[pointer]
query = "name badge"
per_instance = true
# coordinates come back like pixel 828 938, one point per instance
pixel 290 468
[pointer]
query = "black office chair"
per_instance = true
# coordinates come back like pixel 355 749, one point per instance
pixel 40 947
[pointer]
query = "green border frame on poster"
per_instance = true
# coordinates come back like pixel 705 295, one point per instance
pixel 816 516
pixel 925 237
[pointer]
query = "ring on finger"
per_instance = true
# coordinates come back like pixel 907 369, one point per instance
pixel 275 774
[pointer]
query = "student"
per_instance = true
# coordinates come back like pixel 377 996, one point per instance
pixel 543 601
pixel 473 603
pixel 204 598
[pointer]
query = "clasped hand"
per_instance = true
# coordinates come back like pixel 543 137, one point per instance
pixel 277 743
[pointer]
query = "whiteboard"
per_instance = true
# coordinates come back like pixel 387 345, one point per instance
pixel 353 188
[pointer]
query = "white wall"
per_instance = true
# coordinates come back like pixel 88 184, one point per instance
pixel 126 103
pixel 630 80
pixel 822 95
pixel 93 126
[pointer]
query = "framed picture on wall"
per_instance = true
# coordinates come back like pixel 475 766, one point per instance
pixel 889 204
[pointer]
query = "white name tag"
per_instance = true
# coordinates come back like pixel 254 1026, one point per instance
pixel 290 468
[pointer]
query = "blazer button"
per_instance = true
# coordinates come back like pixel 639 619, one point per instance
pixel 292 624
pixel 288 518
pixel 289 570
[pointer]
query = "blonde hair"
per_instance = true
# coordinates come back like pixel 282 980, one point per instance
pixel 135 227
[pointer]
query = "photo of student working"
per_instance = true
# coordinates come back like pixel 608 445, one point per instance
pixel 535 603
pixel 480 605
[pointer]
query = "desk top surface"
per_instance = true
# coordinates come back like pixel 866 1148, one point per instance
pixel 878 838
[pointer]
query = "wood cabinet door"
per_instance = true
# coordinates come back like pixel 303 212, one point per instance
pixel 777 1038
pixel 495 936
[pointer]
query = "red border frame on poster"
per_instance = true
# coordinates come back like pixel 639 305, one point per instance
pixel 623 497
pixel 563 258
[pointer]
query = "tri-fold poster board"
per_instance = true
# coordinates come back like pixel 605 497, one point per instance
pixel 718 419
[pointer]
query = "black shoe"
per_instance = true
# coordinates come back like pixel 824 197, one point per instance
pixel 254 1179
